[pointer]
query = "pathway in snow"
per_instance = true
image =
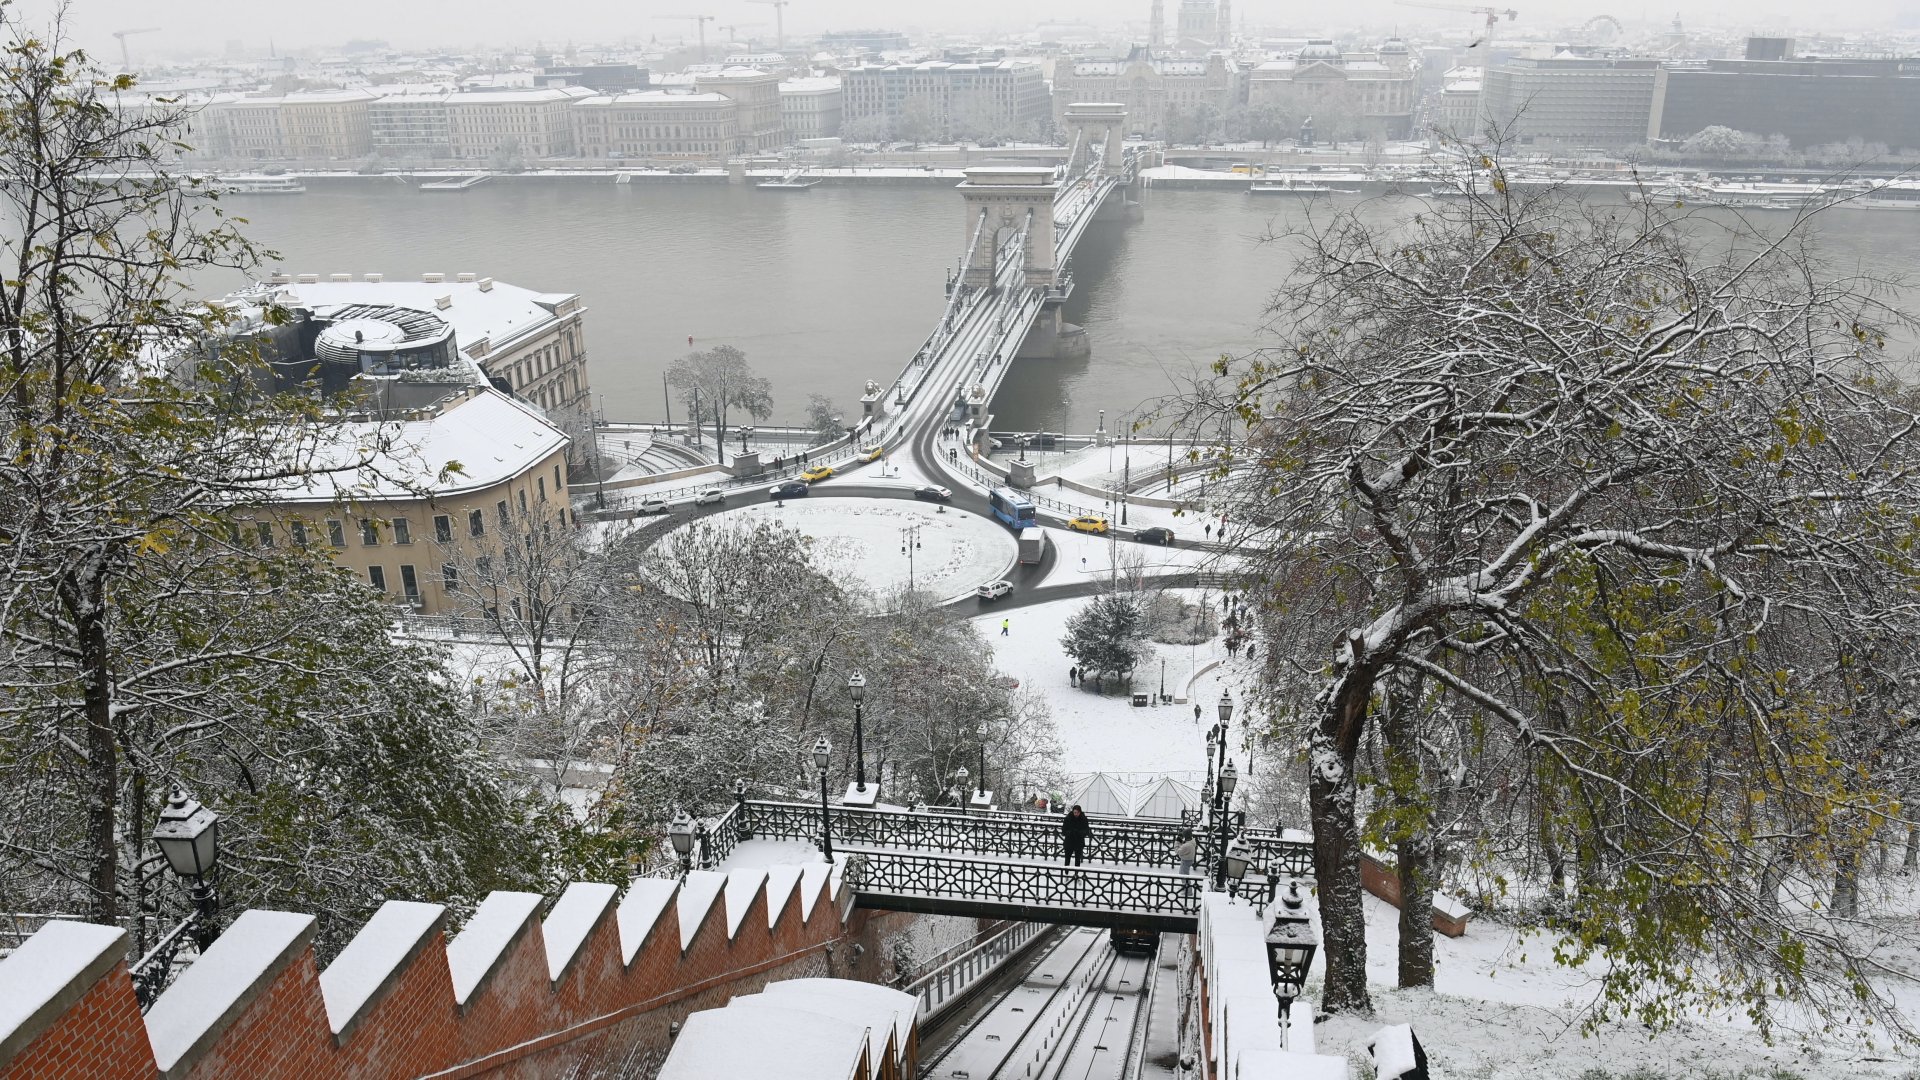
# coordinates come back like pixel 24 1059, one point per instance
pixel 861 541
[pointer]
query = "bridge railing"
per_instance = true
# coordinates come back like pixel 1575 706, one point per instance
pixel 1022 884
pixel 950 980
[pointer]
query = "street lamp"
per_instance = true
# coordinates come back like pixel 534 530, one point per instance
pixel 680 833
pixel 960 786
pixel 1223 796
pixel 857 690
pixel 188 835
pixel 1226 708
pixel 1290 950
pixel 822 754
pixel 740 824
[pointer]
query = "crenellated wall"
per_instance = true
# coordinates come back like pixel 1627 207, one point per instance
pixel 594 988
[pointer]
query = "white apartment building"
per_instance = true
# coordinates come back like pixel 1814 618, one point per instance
pixel 481 122
pixel 248 127
pixel 1456 108
pixel 1003 94
pixel 1345 94
pixel 411 121
pixel 656 124
pixel 810 108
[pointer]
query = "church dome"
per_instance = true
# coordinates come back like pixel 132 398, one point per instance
pixel 1393 47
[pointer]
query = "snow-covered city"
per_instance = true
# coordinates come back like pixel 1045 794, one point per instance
pixel 839 540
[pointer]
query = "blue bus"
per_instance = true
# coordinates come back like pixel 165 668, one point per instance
pixel 1014 510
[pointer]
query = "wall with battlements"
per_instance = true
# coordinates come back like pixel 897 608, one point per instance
pixel 592 989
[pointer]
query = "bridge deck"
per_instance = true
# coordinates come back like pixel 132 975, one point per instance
pixel 1026 889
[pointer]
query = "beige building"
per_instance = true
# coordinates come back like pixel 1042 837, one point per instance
pixel 533 341
pixel 1345 94
pixel 407 526
pixel 810 108
pixel 323 125
pixel 1456 108
pixel 1149 86
pixel 656 124
pixel 940 99
pixel 540 122
pixel 247 127
pixel 756 97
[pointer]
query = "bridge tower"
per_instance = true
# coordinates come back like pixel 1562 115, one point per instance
pixel 1104 122
pixel 1013 198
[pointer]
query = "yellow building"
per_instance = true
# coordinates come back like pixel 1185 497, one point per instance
pixel 327 124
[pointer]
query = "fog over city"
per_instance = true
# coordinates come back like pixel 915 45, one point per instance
pixel 186 26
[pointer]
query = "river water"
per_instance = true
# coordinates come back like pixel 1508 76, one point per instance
pixel 826 288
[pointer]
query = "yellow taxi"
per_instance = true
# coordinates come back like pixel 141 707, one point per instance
pixel 1089 524
pixel 818 472
pixel 871 453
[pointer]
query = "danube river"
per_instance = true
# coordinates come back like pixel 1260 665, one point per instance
pixel 829 287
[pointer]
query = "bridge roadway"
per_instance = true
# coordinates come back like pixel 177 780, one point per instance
pixel 1007 865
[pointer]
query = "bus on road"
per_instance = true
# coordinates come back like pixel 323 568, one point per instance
pixel 1014 510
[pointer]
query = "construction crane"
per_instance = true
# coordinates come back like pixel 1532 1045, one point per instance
pixel 779 21
pixel 1492 13
pixel 126 64
pixel 700 21
pixel 733 32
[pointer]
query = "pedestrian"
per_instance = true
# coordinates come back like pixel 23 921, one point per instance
pixel 1209 530
pixel 1076 829
pixel 1003 628
pixel 689 341
pixel 1250 648
pixel 1196 712
pixel 1185 853
pixel 803 457
pixel 1073 676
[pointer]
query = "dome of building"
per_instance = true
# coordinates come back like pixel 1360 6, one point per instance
pixel 1321 49
pixel 1393 47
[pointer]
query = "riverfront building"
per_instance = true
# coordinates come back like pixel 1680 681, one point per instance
pixel 1150 86
pixel 1810 100
pixel 756 98
pixel 656 124
pixel 939 98
pixel 810 108
pixel 1345 94
pixel 1571 101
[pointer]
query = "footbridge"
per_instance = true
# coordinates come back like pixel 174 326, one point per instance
pixel 1002 864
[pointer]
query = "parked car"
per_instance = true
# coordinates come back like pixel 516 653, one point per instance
pixel 710 497
pixel 993 590
pixel 653 506
pixel 1088 523
pixel 1155 535
pixel 871 453
pixel 818 472
pixel 787 489
pixel 933 493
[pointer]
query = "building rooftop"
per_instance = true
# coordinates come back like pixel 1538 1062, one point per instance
pixel 482 310
pixel 653 97
pixel 811 84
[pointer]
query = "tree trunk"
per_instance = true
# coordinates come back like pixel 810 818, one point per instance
pixel 1912 861
pixel 1556 860
pixel 1336 868
pixel 1846 885
pixel 1774 875
pixel 84 595
pixel 1413 848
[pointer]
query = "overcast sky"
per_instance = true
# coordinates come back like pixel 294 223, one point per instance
pixel 184 24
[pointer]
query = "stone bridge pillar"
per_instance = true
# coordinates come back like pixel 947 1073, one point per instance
pixel 1007 194
pixel 1102 123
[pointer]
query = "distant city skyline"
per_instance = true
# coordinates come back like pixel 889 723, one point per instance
pixel 206 26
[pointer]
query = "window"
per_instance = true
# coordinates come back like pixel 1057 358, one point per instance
pixel 402 531
pixel 443 528
pixel 523 500
pixel 476 523
pixel 541 482
pixel 483 567
pixel 450 578
pixel 557 485
pixel 336 533
pixel 378 576
pixel 409 584
pixel 299 529
pixel 369 532
pixel 264 529
pixel 501 506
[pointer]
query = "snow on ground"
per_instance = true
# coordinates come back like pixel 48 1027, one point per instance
pixel 1105 732
pixel 1084 556
pixel 1502 1010
pixel 860 541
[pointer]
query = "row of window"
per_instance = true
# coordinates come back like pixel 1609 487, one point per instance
pixel 399 529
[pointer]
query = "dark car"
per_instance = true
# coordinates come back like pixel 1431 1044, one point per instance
pixel 932 493
pixel 1135 939
pixel 1155 535
pixel 787 489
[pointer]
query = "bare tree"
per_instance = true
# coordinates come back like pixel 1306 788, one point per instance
pixel 1641 512
pixel 714 382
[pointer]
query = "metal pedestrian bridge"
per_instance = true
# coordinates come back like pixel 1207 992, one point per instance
pixel 1007 865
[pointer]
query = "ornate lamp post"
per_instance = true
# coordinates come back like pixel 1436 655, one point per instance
pixel 740 809
pixel 188 835
pixel 857 690
pixel 680 834
pixel 1290 950
pixel 822 754
pixel 960 787
pixel 1228 778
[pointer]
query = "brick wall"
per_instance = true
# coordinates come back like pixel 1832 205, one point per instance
pixel 591 1011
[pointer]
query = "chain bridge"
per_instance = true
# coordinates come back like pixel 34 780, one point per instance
pixel 1002 864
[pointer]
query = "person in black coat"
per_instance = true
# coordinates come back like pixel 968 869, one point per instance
pixel 1076 828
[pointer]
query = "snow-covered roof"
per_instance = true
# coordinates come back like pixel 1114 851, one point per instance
pixel 221 981
pixel 765 1041
pixel 1166 798
pixel 652 97
pixel 737 73
pixel 492 436
pixel 878 1004
pixel 550 95
pixel 810 85
pixel 482 309
pixel 1102 795
pixel 374 954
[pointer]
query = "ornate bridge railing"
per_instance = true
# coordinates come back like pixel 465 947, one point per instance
pixel 1018 836
pixel 1038 892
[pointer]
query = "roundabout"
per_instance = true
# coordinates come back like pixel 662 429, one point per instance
pixel 864 542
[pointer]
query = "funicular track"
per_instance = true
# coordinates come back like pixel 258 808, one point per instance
pixel 1074 1014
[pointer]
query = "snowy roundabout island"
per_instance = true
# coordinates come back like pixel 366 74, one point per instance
pixel 862 541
